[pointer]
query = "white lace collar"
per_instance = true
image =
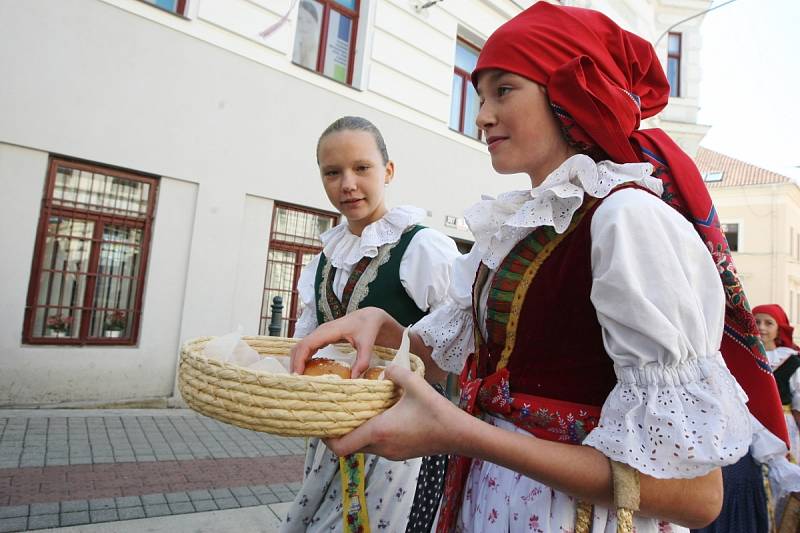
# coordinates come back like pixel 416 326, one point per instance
pixel 343 248
pixel 777 356
pixel 499 224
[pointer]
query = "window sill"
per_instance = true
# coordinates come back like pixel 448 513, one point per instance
pixel 470 137
pixel 321 75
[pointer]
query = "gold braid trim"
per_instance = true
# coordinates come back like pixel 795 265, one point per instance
pixel 624 520
pixel 626 494
pixel 583 517
pixel 768 493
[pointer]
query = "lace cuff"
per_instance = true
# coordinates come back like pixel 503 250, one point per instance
pixel 674 422
pixel 448 330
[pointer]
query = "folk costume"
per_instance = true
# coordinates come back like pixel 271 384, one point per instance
pixel 404 268
pixel 785 363
pixel 590 310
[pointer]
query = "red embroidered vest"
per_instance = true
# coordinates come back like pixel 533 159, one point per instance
pixel 556 349
pixel 543 366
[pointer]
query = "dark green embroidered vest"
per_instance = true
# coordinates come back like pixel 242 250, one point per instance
pixel 782 375
pixel 374 282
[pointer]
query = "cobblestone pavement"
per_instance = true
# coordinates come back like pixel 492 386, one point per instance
pixel 70 467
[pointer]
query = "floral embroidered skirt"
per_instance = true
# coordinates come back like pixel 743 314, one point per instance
pixel 389 488
pixel 499 499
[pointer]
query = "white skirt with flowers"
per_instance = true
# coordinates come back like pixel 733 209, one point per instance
pixel 499 499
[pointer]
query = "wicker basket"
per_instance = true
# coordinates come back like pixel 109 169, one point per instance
pixel 282 404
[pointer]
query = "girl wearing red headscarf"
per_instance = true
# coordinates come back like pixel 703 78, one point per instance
pixel 782 352
pixel 596 318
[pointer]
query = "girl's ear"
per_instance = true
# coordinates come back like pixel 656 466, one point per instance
pixel 389 176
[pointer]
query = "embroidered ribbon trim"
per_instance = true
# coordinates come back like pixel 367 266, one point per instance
pixel 355 518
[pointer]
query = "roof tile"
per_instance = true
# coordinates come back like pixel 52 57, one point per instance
pixel 736 173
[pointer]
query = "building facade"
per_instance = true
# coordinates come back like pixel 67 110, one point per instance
pixel 157 161
pixel 760 214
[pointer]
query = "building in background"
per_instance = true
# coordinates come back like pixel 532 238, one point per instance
pixel 760 213
pixel 158 167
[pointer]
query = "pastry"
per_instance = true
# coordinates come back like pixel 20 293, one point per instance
pixel 321 366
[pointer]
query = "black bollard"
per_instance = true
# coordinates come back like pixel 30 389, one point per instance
pixel 275 320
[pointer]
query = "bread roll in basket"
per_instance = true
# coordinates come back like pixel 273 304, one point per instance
pixel 282 404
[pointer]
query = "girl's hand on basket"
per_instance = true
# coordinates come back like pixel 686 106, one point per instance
pixel 422 423
pixel 360 328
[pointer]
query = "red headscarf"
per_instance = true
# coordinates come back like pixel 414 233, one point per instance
pixel 785 330
pixel 601 80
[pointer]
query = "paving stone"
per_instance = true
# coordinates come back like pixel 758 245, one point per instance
pixel 156 510
pixel 176 497
pixel 181 508
pixel 283 494
pixel 130 513
pixel 128 501
pixel 248 501
pixel 267 498
pixel 196 495
pixel 153 499
pixel 241 491
pixel 74 505
pixel 14 512
pixel 107 515
pixel 13 524
pixel 227 503
pixel 102 504
pixel 74 519
pixel 205 505
pixel 44 508
pixel 261 489
pixel 220 493
pixel 42 521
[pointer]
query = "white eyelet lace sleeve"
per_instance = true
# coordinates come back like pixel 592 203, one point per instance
pixel 448 328
pixel 305 289
pixel 676 411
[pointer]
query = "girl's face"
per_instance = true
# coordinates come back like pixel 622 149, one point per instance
pixel 354 176
pixel 768 329
pixel 522 133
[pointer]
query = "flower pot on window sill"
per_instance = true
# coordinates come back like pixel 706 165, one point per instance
pixel 112 333
pixel 56 333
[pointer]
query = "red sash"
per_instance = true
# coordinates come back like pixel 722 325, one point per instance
pixel 544 418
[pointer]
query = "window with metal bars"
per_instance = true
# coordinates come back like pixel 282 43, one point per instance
pixel 90 258
pixel 294 240
pixel 325 38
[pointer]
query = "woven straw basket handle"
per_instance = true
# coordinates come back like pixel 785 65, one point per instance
pixel 626 500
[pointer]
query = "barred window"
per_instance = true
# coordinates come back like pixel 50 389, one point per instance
pixel 294 240
pixel 90 258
